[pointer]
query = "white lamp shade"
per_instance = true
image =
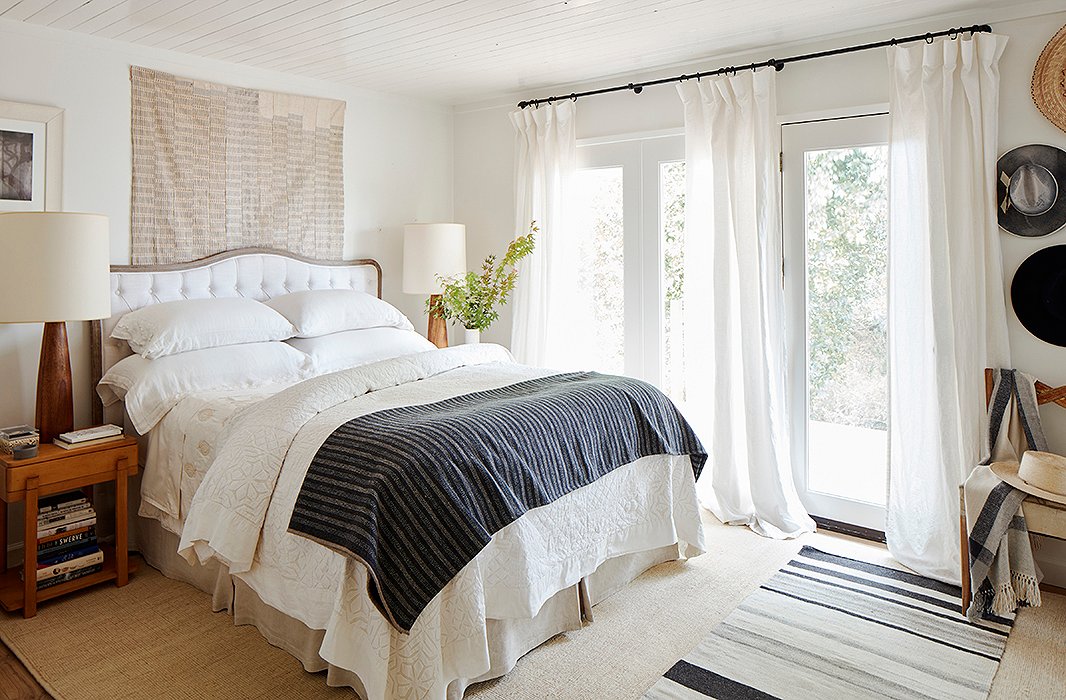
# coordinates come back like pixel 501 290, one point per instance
pixel 430 250
pixel 56 267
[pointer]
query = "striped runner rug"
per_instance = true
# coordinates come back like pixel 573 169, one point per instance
pixel 832 627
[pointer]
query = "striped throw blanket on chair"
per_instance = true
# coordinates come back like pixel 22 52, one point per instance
pixel 1003 574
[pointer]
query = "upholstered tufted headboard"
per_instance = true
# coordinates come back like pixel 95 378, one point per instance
pixel 256 273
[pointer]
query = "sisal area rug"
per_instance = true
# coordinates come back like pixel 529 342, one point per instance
pixel 830 626
pixel 157 638
pixel 154 638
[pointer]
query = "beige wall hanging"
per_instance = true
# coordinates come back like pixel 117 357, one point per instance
pixel 217 167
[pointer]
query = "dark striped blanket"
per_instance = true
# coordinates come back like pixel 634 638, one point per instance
pixel 416 492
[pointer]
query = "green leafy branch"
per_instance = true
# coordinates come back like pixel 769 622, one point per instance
pixel 473 299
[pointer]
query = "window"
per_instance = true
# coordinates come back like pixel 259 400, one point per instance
pixel 835 214
pixel 600 246
pixel 629 216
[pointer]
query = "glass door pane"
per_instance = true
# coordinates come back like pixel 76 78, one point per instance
pixel 599 247
pixel 672 236
pixel 847 324
pixel 835 214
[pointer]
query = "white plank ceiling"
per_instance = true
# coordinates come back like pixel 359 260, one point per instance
pixel 455 51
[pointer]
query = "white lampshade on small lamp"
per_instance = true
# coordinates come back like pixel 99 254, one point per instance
pixel 431 251
pixel 56 270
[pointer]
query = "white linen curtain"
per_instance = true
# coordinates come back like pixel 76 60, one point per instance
pixel 734 303
pixel 546 159
pixel 947 314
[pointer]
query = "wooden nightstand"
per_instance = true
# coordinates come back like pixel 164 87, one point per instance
pixel 55 470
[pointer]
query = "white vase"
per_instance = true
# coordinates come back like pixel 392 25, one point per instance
pixel 471 336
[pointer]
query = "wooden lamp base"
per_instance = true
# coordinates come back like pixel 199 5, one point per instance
pixel 438 327
pixel 55 389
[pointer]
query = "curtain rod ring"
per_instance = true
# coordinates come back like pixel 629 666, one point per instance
pixel 929 38
pixel 953 34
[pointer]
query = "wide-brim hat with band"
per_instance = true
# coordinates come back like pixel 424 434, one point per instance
pixel 1049 90
pixel 1031 190
pixel 1041 474
pixel 1038 294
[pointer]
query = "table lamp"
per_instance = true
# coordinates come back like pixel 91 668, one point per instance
pixel 56 269
pixel 431 251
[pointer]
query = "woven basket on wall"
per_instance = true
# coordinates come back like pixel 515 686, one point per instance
pixel 1049 80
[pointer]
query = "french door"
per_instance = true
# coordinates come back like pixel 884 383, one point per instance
pixel 629 214
pixel 835 224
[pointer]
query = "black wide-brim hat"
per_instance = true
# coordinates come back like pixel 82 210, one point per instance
pixel 1038 294
pixel 1031 190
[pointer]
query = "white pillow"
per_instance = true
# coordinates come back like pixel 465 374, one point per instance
pixel 337 351
pixel 150 388
pixel 323 311
pixel 194 324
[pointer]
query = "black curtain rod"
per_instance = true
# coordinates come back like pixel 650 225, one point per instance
pixel 777 63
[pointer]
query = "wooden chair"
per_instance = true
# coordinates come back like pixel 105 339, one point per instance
pixel 1041 517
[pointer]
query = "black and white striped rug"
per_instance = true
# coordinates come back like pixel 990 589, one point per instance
pixel 826 626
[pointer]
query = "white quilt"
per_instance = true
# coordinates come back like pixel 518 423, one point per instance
pixel 240 514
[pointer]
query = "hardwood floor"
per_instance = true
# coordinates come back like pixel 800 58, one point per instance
pixel 16 683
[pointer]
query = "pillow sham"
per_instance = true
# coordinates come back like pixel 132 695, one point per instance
pixel 318 312
pixel 150 388
pixel 337 351
pixel 195 324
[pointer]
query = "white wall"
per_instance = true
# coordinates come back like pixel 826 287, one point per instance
pixel 397 165
pixel 397 168
pixel 484 161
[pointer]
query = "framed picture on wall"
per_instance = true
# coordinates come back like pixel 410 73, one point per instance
pixel 31 150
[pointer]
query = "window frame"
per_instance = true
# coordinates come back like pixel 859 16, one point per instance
pixel 639 155
pixel 846 132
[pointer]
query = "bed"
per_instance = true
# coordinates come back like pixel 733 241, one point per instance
pixel 537 577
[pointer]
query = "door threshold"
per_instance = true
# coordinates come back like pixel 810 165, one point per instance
pixel 863 533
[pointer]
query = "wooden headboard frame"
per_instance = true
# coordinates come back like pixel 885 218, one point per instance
pixel 258 273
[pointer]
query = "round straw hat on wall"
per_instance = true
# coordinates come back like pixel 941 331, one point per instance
pixel 1049 80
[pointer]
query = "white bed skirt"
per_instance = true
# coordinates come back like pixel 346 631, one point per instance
pixel 508 640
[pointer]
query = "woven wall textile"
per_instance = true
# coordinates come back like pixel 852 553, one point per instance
pixel 217 167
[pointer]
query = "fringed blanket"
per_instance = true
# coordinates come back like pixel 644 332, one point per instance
pixel 1003 574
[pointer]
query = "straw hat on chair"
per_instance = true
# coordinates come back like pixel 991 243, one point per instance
pixel 1041 474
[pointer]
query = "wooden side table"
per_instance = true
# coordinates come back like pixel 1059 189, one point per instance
pixel 55 470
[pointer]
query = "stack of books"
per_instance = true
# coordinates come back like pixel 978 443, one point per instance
pixel 89 436
pixel 66 540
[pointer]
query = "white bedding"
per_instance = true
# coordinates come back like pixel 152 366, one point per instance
pixel 181 448
pixel 250 451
